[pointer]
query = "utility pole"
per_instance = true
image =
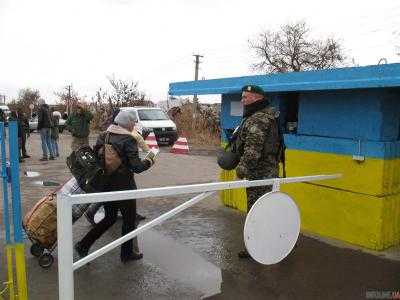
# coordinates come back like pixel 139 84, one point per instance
pixel 69 100
pixel 196 77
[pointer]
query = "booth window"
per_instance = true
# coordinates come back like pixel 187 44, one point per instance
pixel 291 112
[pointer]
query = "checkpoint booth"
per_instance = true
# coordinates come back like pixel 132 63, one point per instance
pixel 335 121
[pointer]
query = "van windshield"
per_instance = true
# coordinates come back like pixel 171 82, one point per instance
pixel 152 114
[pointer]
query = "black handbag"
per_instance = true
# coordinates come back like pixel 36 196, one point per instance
pixel 229 157
pixel 87 169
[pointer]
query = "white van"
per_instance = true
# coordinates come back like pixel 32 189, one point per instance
pixel 155 120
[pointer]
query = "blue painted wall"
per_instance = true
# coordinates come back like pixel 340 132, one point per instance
pixel 381 150
pixel 390 108
pixel 369 114
pixel 227 120
pixel 230 122
pixel 334 121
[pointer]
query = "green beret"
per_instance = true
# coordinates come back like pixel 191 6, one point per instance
pixel 253 89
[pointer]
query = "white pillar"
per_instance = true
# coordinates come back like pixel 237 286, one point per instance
pixel 65 252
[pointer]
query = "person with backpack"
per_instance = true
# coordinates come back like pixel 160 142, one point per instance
pixel 44 127
pixel 119 151
pixel 258 144
pixel 78 124
pixel 94 207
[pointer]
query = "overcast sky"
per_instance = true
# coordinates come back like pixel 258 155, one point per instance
pixel 48 44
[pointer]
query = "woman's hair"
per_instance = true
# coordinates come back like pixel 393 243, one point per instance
pixel 124 119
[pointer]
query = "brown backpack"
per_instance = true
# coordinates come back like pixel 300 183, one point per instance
pixel 112 161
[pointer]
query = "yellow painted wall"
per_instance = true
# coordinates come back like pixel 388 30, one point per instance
pixel 375 177
pixel 362 207
pixel 233 198
pixel 365 220
pixel 369 221
pixel 391 220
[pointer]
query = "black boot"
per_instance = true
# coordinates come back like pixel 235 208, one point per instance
pixel 133 256
pixel 82 251
pixel 140 217
pixel 244 254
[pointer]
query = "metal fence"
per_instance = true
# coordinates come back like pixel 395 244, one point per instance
pixel 66 265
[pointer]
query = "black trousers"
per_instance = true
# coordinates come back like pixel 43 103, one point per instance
pixel 23 143
pixel 128 210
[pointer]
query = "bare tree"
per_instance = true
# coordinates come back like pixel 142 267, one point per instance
pixel 292 49
pixel 26 97
pixel 124 93
pixel 68 98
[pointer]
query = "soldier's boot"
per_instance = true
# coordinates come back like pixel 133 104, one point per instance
pixel 244 254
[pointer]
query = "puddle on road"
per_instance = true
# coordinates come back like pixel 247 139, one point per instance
pixel 31 174
pixel 45 183
pixel 181 263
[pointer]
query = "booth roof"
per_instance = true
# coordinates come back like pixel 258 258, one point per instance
pixel 377 76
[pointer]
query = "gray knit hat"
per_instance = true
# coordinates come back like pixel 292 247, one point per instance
pixel 125 118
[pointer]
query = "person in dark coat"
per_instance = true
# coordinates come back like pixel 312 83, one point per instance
pixel 25 132
pixel 14 117
pixel 55 133
pixel 94 207
pixel 78 124
pixel 258 143
pixel 2 116
pixel 44 127
pixel 122 179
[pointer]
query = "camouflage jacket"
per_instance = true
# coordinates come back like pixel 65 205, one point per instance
pixel 258 143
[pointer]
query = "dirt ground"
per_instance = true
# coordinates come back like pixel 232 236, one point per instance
pixel 194 255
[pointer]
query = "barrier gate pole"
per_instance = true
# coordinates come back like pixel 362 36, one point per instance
pixel 65 252
pixel 6 214
pixel 17 219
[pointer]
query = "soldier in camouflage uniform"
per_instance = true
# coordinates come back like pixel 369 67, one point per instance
pixel 258 143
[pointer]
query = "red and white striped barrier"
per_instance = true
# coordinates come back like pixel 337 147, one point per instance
pixel 151 141
pixel 181 146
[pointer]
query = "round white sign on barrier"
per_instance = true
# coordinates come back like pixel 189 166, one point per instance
pixel 272 228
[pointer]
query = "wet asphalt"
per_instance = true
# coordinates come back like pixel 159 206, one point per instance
pixel 194 255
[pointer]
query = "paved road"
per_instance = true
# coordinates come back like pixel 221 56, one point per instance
pixel 193 255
